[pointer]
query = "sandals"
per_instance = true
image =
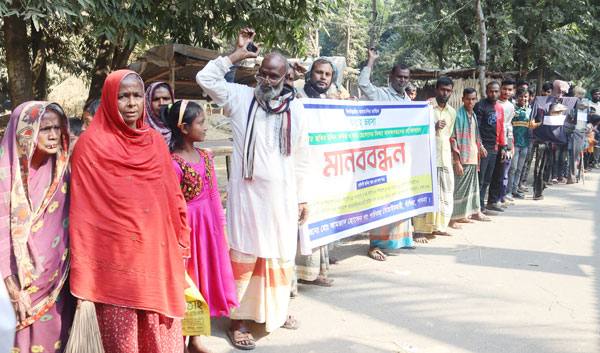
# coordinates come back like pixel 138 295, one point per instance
pixel 495 208
pixel 489 212
pixel 238 336
pixel 320 281
pixel 291 323
pixel 376 254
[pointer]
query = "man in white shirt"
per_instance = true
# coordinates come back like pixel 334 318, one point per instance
pixel 266 201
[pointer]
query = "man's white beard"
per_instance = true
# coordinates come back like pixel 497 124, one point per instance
pixel 269 95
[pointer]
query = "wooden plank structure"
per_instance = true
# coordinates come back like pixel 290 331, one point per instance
pixel 178 65
pixel 422 74
pixel 425 81
pixel 463 78
pixel 219 148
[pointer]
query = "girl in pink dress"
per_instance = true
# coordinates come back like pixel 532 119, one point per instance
pixel 209 265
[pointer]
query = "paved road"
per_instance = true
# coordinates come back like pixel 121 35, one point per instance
pixel 527 282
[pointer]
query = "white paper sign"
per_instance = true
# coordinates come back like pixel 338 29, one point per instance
pixel 554 120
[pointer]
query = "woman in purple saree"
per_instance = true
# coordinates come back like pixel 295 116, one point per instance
pixel 34 225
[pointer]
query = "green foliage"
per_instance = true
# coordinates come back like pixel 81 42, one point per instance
pixel 280 24
pixel 38 10
pixel 440 35
pixel 75 29
pixel 421 33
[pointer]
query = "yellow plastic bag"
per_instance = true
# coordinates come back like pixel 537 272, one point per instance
pixel 196 321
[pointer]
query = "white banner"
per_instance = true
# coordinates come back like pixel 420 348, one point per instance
pixel 373 163
pixel 554 120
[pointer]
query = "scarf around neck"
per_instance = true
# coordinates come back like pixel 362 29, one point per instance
pixel 311 92
pixel 286 97
pixel 461 135
pixel 308 87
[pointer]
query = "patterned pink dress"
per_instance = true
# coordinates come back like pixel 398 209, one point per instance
pixel 209 265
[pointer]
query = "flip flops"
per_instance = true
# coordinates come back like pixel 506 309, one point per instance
pixel 320 281
pixel 241 335
pixel 291 323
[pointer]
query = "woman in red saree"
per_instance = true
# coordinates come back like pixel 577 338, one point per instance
pixel 129 231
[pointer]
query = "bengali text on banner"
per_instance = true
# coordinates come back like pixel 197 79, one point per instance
pixel 372 164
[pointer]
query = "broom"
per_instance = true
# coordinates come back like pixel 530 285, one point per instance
pixel 85 333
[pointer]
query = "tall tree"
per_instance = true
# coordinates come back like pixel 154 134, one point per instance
pixel 481 62
pixel 17 58
pixel 112 29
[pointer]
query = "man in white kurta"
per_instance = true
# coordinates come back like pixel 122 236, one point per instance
pixel 263 210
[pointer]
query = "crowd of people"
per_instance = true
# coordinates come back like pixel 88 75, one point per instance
pixel 120 215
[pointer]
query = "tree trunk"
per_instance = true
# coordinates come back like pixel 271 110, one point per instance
pixel 540 75
pixel 317 49
pixel 348 36
pixel 39 65
pixel 17 59
pixel 373 29
pixel 348 39
pixel 101 68
pixel 542 60
pixel 438 40
pixel 121 57
pixel 481 63
pixel 525 62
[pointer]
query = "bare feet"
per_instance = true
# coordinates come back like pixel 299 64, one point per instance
pixel 376 254
pixel 454 225
pixel 464 220
pixel 420 238
pixel 481 217
pixel 445 234
pixel 195 346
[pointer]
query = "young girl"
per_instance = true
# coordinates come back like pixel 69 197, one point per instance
pixel 209 265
